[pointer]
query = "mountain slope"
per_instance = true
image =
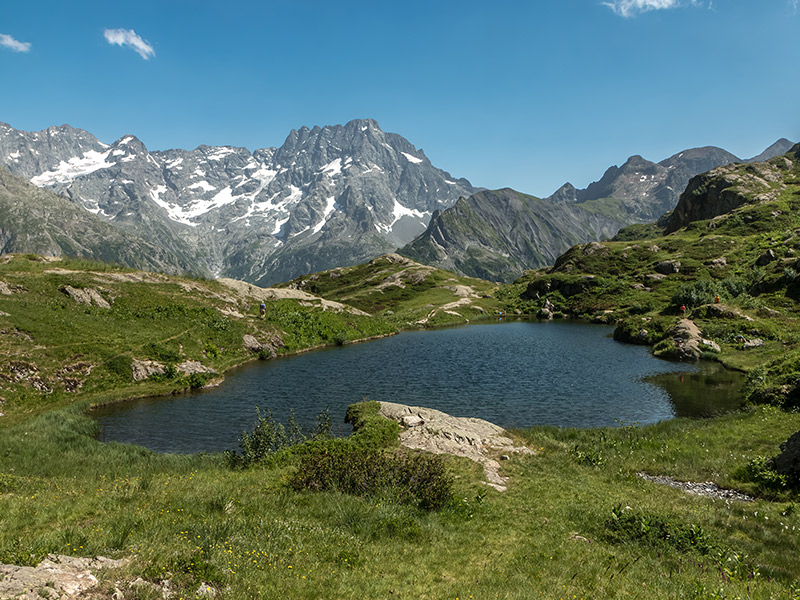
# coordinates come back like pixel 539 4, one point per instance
pixel 327 197
pixel 34 220
pixel 730 260
pixel 497 235
pixel 493 233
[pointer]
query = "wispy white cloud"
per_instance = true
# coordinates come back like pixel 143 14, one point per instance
pixel 128 37
pixel 631 8
pixel 794 4
pixel 9 42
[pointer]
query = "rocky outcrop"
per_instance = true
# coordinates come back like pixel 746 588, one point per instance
pixel 668 267
pixel 142 369
pixel 269 345
pixel 788 461
pixel 86 296
pixel 57 576
pixel 684 341
pixel 435 431
pixel 329 196
pixel 714 194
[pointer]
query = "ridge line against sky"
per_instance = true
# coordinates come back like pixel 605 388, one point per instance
pixel 507 96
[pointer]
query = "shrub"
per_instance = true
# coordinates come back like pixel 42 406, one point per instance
pixel 761 471
pixel 267 437
pixel 696 293
pixel 120 366
pixel 419 479
pixel 652 529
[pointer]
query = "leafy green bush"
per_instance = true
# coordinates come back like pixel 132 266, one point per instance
pixel 761 471
pixel 628 525
pixel 419 479
pixel 696 293
pixel 267 437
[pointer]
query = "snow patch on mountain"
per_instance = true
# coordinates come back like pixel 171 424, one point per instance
pixel 203 185
pixel 330 204
pixel 411 158
pixel 76 166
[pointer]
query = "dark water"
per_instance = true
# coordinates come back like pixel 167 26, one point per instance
pixel 514 374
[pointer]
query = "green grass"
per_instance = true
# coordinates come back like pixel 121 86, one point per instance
pixel 248 533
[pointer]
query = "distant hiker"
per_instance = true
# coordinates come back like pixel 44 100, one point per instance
pixel 683 309
pixel 716 299
pixel 263 309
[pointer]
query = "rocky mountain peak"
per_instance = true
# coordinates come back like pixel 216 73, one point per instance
pixel 782 146
pixel 329 196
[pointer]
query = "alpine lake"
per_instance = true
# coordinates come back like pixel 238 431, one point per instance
pixel 514 374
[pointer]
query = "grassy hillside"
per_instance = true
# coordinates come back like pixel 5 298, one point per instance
pixel 577 520
pixel 403 292
pixel 735 272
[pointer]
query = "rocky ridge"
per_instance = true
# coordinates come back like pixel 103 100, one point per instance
pixel 328 197
pixel 499 234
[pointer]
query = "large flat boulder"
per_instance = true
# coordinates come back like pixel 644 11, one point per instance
pixel 437 432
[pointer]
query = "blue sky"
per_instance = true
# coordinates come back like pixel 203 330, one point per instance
pixel 506 93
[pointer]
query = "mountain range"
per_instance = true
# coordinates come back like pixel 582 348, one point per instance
pixel 499 234
pixel 327 197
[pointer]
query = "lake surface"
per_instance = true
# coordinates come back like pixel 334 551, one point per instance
pixel 515 374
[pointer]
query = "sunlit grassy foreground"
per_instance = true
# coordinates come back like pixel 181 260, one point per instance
pixel 567 528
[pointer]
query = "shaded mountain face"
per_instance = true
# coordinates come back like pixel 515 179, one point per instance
pixel 37 221
pixel 499 234
pixel 328 197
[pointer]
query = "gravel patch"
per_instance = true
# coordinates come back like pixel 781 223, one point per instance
pixel 708 489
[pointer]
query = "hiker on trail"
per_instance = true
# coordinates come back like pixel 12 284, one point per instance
pixel 683 309
pixel 263 309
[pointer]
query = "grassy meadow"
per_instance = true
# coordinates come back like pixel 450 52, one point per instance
pixel 577 521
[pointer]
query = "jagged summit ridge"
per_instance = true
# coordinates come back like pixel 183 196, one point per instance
pixel 328 196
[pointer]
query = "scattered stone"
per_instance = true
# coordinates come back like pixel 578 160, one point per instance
pixel 142 369
pixel 206 591
pixel 441 433
pixel 719 263
pixel 505 457
pixel 708 488
pixel 190 367
pixel 86 296
pixel 57 576
pixel 667 267
pixel 654 248
pixel 754 343
pixel 655 276
pixel 766 258
pixel 5 289
pixel 579 538
pixel 595 248
pixel 412 421
pixel 788 461
pixel 251 343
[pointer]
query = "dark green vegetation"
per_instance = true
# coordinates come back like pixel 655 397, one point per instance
pixel 734 271
pixel 355 518
pixel 494 234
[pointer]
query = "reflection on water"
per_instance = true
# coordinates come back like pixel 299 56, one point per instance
pixel 709 392
pixel 514 374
